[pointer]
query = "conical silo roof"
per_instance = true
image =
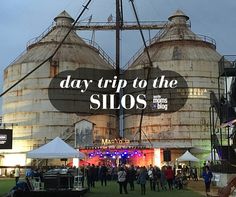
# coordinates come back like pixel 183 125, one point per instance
pixel 64 15
pixel 178 13
pixel 178 28
pixel 74 48
pixel 178 42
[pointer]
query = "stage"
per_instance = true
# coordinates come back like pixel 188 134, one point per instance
pixel 56 193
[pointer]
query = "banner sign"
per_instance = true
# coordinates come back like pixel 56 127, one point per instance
pixel 95 91
pixel 5 138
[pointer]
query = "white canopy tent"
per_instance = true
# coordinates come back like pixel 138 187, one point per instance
pixel 55 149
pixel 187 156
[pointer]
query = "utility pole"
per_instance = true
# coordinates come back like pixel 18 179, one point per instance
pixel 118 28
pixel 118 24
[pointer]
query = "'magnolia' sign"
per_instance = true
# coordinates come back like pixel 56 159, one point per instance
pixel 105 142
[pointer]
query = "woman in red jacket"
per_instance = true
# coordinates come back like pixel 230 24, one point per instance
pixel 169 173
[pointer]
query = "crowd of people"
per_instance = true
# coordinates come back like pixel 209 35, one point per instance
pixel 165 178
pixel 129 176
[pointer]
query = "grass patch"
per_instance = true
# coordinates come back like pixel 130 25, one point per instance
pixel 112 190
pixel 6 185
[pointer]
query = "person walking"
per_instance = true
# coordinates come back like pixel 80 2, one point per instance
pixel 142 178
pixel 122 180
pixel 207 176
pixel 17 174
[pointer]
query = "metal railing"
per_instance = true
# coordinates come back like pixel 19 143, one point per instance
pixel 41 36
pixel 157 37
pixel 127 25
pixel 37 39
pixel 101 52
pixel 227 65
pixel 114 23
pixel 196 37
pixel 33 41
pixel 228 61
pixel 67 133
pixel 18 57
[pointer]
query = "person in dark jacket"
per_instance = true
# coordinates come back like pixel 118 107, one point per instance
pixel 88 174
pixel 93 175
pixel 103 175
pixel 97 173
pixel 82 173
pixel 207 176
pixel 131 175
pixel 195 177
pixel 156 178
pixel 163 179
pixel 142 179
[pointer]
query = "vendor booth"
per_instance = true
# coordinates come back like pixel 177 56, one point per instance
pixel 59 182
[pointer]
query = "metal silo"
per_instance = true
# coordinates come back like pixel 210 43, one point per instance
pixel 194 57
pixel 27 106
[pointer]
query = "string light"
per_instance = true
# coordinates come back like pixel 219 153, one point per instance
pixel 115 154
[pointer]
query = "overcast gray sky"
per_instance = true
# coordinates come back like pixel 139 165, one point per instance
pixel 22 20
